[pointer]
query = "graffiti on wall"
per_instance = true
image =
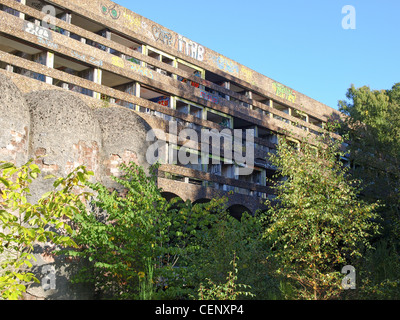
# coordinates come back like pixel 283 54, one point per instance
pixel 110 10
pixel 133 22
pixel 209 97
pixel 36 30
pixel 119 62
pixel 88 59
pixel 43 35
pixel 162 35
pixel 225 64
pixel 247 75
pixel 162 100
pixel 284 92
pixel 190 48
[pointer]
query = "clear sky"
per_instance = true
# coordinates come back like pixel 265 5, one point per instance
pixel 300 43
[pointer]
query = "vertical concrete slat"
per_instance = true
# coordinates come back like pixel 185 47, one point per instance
pixel 50 64
pixel 97 78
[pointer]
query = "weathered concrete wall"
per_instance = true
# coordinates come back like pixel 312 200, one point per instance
pixel 63 135
pixel 123 141
pixel 61 132
pixel 14 123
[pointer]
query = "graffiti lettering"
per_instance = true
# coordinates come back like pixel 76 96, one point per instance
pixel 163 100
pixel 89 59
pixel 190 48
pixel 132 21
pixel 48 43
pixel 95 61
pixel 225 65
pixel 247 75
pixel 119 62
pixel 37 30
pixel 284 92
pixel 209 97
pixel 162 35
pixel 143 71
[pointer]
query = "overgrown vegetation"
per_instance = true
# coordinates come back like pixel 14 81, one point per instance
pixel 23 225
pixel 319 224
pixel 137 245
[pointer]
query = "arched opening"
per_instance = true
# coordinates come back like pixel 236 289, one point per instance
pixel 173 199
pixel 237 211
pixel 169 196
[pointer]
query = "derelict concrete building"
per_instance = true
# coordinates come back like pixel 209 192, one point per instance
pixel 111 57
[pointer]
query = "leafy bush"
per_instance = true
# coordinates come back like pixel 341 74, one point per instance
pixel 23 225
pixel 135 241
pixel 226 237
pixel 225 291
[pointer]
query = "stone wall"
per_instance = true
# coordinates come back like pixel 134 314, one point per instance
pixel 60 131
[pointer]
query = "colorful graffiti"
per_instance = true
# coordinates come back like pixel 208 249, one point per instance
pixel 119 62
pixel 162 35
pixel 209 97
pixel 284 92
pixel 133 22
pixel 162 100
pixel 190 48
pixel 225 64
pixel 192 83
pixel 247 75
pixel 111 11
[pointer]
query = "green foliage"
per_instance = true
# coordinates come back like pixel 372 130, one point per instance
pixel 22 224
pixel 318 224
pixel 373 126
pixel 224 291
pixel 136 241
pixel 379 274
pixel 228 236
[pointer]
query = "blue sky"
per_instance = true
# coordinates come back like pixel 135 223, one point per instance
pixel 300 43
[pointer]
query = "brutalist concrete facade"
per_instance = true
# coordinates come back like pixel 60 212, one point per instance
pixel 112 58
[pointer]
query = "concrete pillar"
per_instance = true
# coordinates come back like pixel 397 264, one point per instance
pixel 50 64
pixel 68 18
pixel 108 37
pixel 227 85
pixel 10 68
pixel 271 104
pixel 97 78
pixel 22 15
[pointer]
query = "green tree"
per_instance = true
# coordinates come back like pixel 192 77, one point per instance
pixel 373 127
pixel 136 241
pixel 318 224
pixel 23 225
pixel 228 237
